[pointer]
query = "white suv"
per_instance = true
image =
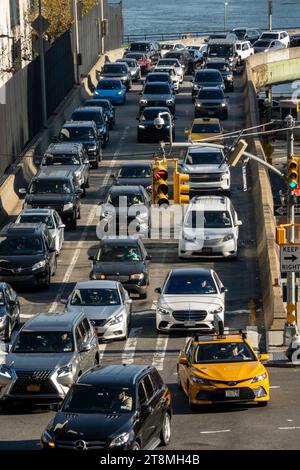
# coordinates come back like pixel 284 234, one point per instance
pixel 191 299
pixel 244 49
pixel 281 36
pixel 210 228
pixel 172 72
pixel 207 169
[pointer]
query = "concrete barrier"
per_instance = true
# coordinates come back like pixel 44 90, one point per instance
pixel 21 173
pixel 267 249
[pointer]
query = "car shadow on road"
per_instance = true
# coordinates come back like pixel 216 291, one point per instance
pixel 30 444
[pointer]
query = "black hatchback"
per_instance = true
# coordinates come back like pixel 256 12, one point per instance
pixel 111 408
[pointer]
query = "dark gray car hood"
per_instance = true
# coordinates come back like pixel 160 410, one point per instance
pixel 123 268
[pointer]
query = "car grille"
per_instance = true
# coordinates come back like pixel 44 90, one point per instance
pixel 185 315
pixel 156 103
pixel 113 277
pixel 38 377
pixel 181 326
pixel 205 177
pixel 210 105
pixel 84 445
pixel 212 242
pixel 19 270
pixel 219 395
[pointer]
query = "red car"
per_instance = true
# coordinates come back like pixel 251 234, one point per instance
pixel 142 59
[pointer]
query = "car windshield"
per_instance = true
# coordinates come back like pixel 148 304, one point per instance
pixel 153 89
pixel 151 114
pixel 223 352
pixel 170 71
pixel 15 246
pixel 77 134
pixel 206 128
pixel 220 50
pixel 139 46
pixel 262 43
pixel 217 65
pixel 48 186
pixel 135 172
pixel 168 62
pixel 211 95
pixel 240 33
pixel 135 56
pixel 211 219
pixel 99 103
pixel 208 77
pixel 204 158
pixel 108 399
pixel 88 116
pixel 61 160
pixel 158 77
pixel 129 199
pixel 116 253
pixel 190 284
pixel 114 68
pixel 130 63
pixel 109 85
pixel 269 36
pixel 43 342
pixel 95 297
pixel 36 218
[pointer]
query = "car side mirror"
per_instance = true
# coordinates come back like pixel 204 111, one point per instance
pixel 223 290
pixel 86 161
pixel 157 290
pixel 239 223
pixel 146 409
pixel 79 191
pixel 264 357
pixel 61 226
pixel 64 301
pixel 22 191
pixel 85 347
pixel 91 258
pixel 183 360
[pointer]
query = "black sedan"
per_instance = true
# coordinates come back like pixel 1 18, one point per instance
pixel 134 174
pixel 148 132
pixel 9 311
pixel 113 408
pixel 124 260
pixel 108 109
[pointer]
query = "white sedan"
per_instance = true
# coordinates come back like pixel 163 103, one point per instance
pixel 48 217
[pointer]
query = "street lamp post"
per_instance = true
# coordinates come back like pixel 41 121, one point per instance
pixel 270 13
pixel 225 16
pixel 42 67
pixel 159 123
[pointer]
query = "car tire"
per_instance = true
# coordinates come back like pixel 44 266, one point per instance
pixel 87 184
pixel 262 403
pixel 8 331
pixel 47 282
pixel 54 267
pixel 73 224
pixel 165 434
pixel 135 446
pixel 103 144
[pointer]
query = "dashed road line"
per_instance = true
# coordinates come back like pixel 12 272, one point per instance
pixel 130 346
pixel 215 432
pixel 160 352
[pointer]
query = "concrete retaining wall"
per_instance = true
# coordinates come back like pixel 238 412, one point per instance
pixel 21 173
pixel 267 250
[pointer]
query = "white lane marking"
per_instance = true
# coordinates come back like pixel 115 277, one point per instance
pixel 90 219
pixel 215 432
pixel 274 386
pixel 289 428
pixel 102 347
pixel 130 346
pixel 290 420
pixel 160 352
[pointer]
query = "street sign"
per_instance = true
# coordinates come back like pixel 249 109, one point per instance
pixel 289 258
pixel 44 24
pixel 282 210
pixel 290 308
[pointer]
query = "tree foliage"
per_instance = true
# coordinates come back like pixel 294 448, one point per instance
pixel 59 14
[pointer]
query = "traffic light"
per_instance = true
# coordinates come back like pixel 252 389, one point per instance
pixel 293 172
pixel 181 188
pixel 160 190
pixel 237 152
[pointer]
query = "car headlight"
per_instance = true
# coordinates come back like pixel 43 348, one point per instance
pixel 114 320
pixel 64 370
pixel 119 92
pixel 120 440
pixel 92 148
pixel 149 188
pixel 169 101
pixel 259 378
pixel 141 126
pixel 223 105
pixel 228 237
pixel 143 101
pixel 225 175
pixel 124 77
pixel 229 77
pixel 39 265
pixel 68 206
pixel 195 87
pixel 216 310
pixel 188 237
pixel 101 77
pixel 137 277
pixel 164 311
pixel 48 438
pixel 6 371
pixel 198 105
pixel 98 276
pixel 198 380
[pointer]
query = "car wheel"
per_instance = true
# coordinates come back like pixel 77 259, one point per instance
pixel 84 190
pixel 135 446
pixel 78 213
pixel 87 184
pixel 96 361
pixel 103 144
pixel 191 404
pixel 262 403
pixel 8 330
pixel 54 267
pixel 47 281
pixel 165 435
pixel 95 164
pixel 73 224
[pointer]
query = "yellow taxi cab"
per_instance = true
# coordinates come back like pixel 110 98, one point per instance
pixel 203 128
pixel 222 369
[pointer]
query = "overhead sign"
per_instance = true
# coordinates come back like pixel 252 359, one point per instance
pixel 282 210
pixel 289 258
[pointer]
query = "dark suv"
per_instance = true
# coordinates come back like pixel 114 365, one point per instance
pixel 183 57
pixel 116 70
pixel 125 260
pixel 108 109
pixel 86 133
pixel 115 407
pixel 95 114
pixel 157 94
pixel 57 190
pixel 27 254
pixel 151 48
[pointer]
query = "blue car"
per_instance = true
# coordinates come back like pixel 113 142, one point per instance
pixel 111 89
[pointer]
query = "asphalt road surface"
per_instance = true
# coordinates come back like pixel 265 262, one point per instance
pixel 240 427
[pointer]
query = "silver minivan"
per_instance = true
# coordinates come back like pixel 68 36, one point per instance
pixel 47 356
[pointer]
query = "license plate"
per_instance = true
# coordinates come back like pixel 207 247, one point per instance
pixel 232 393
pixel 206 250
pixel 211 113
pixel 33 388
pixel 189 324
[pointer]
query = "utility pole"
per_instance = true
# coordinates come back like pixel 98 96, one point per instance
pixel 101 18
pixel 76 42
pixel 270 14
pixel 42 66
pixel 225 16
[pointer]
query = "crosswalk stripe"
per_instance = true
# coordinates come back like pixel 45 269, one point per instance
pixel 102 347
pixel 130 346
pixel 160 352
